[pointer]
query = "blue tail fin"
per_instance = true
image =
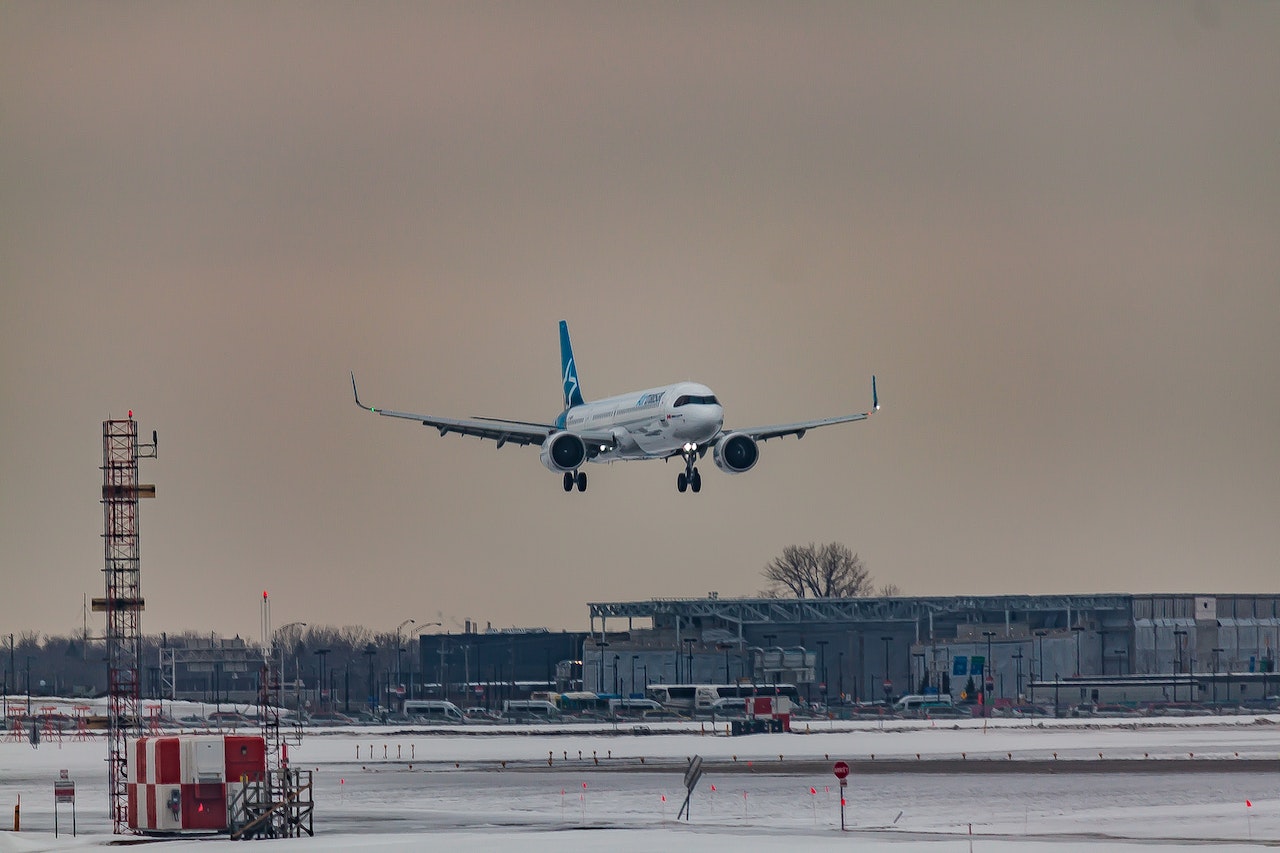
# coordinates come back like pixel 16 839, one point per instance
pixel 568 370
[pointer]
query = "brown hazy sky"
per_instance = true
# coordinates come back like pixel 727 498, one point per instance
pixel 1050 229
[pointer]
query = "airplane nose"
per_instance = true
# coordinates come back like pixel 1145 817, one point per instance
pixel 708 422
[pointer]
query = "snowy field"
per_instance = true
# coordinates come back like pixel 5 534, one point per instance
pixel 1053 785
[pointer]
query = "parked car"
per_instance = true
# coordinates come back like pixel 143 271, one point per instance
pixel 481 715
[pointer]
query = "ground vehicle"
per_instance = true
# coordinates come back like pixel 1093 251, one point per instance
pixel 584 702
pixel 916 704
pixel 634 707
pixel 729 707
pixel 433 710
pixel 530 709
pixel 690 699
pixel 480 715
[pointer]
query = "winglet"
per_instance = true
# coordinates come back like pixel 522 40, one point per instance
pixel 875 400
pixel 356 394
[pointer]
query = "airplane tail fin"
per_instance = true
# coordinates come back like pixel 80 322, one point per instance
pixel 568 370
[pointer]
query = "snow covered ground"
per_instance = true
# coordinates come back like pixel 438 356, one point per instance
pixel 1054 785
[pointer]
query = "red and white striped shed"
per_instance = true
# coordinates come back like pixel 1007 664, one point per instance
pixel 183 783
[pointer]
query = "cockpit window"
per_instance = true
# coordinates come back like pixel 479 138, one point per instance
pixel 694 399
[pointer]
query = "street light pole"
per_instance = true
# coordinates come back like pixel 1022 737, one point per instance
pixel 1178 634
pixel 840 674
pixel 1040 633
pixel 822 664
pixel 888 682
pixel 371 652
pixel 399 671
pixel 988 681
pixel 1078 630
pixel 1217 652
pixel 280 644
pixel 11 672
pixel 320 653
pixel 601 645
pixel 764 658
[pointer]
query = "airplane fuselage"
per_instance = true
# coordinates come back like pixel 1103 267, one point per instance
pixel 649 424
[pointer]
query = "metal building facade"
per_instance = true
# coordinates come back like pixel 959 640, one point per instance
pixel 865 648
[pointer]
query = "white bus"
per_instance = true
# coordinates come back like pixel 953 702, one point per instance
pixel 690 699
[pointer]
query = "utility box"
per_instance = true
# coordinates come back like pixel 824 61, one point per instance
pixel 184 783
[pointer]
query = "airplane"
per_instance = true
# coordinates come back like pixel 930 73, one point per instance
pixel 684 419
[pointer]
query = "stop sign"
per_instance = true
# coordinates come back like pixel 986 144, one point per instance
pixel 841 769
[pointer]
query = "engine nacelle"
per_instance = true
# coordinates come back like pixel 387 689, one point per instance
pixel 736 453
pixel 563 451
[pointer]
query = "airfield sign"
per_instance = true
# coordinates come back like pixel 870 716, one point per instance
pixel 841 769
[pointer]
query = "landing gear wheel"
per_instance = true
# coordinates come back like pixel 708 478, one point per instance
pixel 568 481
pixel 689 478
pixel 582 481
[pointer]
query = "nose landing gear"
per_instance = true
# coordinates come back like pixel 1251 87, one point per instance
pixel 689 478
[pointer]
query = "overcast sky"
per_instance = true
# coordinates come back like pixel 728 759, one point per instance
pixel 1049 229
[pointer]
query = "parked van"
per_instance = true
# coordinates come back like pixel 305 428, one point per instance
pixel 530 709
pixel 917 704
pixel 433 711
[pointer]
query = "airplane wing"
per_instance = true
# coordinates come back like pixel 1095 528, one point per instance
pixel 501 431
pixel 799 428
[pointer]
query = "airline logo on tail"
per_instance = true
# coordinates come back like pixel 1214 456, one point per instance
pixel 569 372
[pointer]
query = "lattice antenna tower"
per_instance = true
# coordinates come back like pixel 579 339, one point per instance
pixel 123 602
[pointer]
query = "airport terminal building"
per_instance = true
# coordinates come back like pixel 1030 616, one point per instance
pixel 1179 647
pixel 1197 648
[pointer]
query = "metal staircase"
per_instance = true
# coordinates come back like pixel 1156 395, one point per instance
pixel 279 806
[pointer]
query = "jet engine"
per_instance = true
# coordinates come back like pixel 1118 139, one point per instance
pixel 736 453
pixel 563 451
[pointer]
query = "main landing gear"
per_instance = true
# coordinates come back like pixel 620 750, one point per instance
pixel 579 478
pixel 689 478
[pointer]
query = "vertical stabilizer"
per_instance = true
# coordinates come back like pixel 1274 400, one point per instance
pixel 568 370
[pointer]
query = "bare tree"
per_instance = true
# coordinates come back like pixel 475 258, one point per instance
pixel 812 571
